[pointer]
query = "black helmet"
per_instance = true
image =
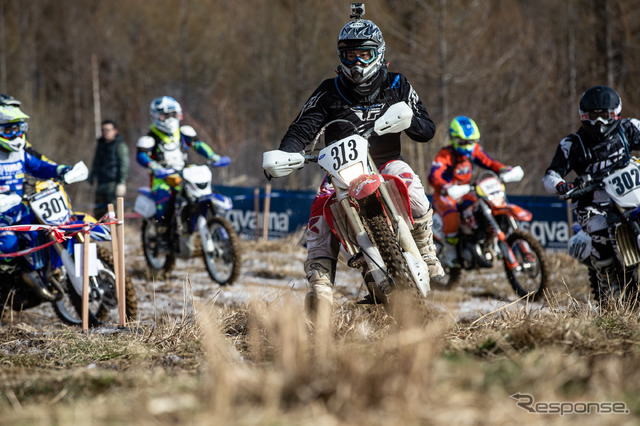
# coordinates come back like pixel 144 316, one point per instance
pixel 600 108
pixel 361 50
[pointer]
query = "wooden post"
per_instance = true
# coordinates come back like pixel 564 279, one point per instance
pixel 115 251
pixel 267 206
pixel 85 279
pixel 256 209
pixel 120 228
pixel 96 95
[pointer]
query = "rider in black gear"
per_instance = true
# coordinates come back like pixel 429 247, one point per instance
pixel 361 92
pixel 602 142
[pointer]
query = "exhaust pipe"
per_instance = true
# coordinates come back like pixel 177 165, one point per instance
pixel 37 286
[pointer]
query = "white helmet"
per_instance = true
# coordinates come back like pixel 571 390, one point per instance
pixel 12 128
pixel 166 114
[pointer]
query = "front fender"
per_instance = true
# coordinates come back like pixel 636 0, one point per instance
pixel 515 211
pixel 218 201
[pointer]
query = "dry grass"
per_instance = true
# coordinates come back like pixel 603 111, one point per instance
pixel 265 365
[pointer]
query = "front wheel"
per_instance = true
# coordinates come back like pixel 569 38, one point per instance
pixel 222 257
pixel 399 272
pixel 156 251
pixel 103 301
pixel 531 275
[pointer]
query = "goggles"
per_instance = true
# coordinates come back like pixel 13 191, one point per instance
pixel 604 116
pixel 165 115
pixel 11 130
pixel 364 55
pixel 464 143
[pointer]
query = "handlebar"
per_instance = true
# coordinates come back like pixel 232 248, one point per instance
pixel 580 191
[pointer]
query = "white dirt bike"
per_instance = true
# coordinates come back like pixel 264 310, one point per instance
pixel 197 216
pixel 621 184
pixel 369 213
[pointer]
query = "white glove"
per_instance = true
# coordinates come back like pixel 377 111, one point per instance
pixel 121 189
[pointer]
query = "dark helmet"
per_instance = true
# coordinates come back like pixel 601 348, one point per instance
pixel 361 50
pixel 600 108
pixel 9 100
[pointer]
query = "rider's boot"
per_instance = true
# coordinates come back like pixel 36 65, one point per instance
pixel 319 300
pixel 450 251
pixel 37 285
pixel 423 236
pixel 607 280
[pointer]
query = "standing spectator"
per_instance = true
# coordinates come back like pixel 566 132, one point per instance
pixel 110 167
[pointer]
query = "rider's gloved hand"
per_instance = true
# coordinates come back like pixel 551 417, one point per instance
pixel 162 172
pixel 63 170
pixel 214 158
pixel 445 189
pixel 221 162
pixel 505 169
pixel 564 187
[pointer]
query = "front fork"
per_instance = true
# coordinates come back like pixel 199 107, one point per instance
pixel 205 235
pixel 509 256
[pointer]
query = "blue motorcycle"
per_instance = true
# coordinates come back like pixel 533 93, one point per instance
pixel 195 225
pixel 48 274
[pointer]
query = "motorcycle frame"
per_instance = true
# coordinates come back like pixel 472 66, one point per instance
pixel 341 211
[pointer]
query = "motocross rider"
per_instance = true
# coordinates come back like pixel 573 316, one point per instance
pixel 11 101
pixel 603 139
pixel 163 152
pixel 15 161
pixel 360 93
pixel 453 165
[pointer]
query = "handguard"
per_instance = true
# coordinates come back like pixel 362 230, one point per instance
pixel 396 119
pixel 458 191
pixel 514 175
pixel 78 173
pixel 279 163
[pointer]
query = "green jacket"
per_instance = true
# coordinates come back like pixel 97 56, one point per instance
pixel 111 162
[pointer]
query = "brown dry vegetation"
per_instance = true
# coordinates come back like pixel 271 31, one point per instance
pixel 263 363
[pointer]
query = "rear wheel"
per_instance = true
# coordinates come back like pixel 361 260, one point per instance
pixel 605 294
pixel 223 261
pixel 156 251
pixel 531 274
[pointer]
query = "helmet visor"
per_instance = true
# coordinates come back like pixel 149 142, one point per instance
pixel 12 130
pixel 364 55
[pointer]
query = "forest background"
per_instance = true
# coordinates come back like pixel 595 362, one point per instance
pixel 243 69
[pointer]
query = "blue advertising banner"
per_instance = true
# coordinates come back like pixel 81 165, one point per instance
pixel 289 212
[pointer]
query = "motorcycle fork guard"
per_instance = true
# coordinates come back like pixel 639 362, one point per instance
pixel 509 257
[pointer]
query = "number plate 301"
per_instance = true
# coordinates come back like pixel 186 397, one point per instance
pixel 52 208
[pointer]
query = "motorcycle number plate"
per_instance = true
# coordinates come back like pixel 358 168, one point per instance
pixel 51 207
pixel 623 185
pixel 345 159
pixel 490 186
